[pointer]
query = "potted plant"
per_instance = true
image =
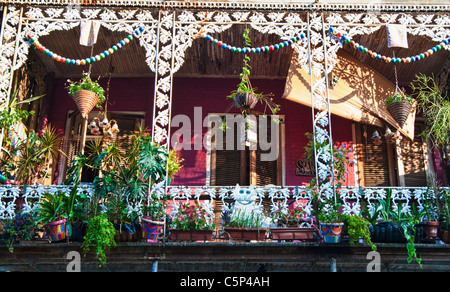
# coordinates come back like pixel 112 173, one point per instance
pixel 289 225
pixel 245 97
pixel 154 221
pixel 86 93
pixel 242 224
pixel 100 234
pixel 21 227
pixel 191 222
pixel 399 106
pixel 331 222
pixel 357 228
pixel 50 213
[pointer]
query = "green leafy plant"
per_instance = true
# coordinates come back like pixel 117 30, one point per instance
pixel 50 208
pixel 100 234
pixel 358 227
pixel 86 83
pixel 21 227
pixel 398 96
pixel 241 218
pixel 288 217
pixel 191 217
pixel 245 87
pixel 11 114
pixel 407 226
pixel 30 159
pixel 433 102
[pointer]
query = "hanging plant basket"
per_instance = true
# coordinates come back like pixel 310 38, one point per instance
pixel 245 100
pixel 400 111
pixel 86 100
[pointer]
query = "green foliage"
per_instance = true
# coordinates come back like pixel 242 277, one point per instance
pixel 398 96
pixel 10 114
pixel 358 227
pixel 20 227
pixel 435 106
pixel 86 84
pixel 51 209
pixel 30 158
pixel 191 217
pixel 288 217
pixel 245 86
pixel 100 234
pixel 241 218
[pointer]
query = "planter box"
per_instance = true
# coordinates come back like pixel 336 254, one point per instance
pixel 295 233
pixel 245 234
pixel 190 235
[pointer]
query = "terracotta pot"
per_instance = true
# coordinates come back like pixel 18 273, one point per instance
pixel 331 232
pixel 86 101
pixel 246 234
pixel 56 231
pixel 430 228
pixel 294 233
pixel 190 235
pixel 400 111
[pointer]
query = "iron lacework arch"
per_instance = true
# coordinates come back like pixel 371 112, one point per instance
pixel 169 32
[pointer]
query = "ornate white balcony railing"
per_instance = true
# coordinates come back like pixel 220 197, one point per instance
pixel 14 198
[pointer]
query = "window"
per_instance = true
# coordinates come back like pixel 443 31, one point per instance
pixel 248 152
pixel 127 121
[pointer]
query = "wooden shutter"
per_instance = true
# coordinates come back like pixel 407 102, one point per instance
pixel 374 159
pixel 266 172
pixel 228 166
pixel 244 167
pixel 414 161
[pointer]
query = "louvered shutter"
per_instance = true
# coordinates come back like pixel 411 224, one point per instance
pixel 266 172
pixel 374 158
pixel 414 160
pixel 228 166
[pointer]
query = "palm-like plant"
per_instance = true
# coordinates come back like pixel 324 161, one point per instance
pixel 51 208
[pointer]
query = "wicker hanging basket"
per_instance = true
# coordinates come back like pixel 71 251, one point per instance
pixel 86 101
pixel 400 111
pixel 245 100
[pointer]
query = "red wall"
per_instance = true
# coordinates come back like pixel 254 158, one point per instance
pixel 136 94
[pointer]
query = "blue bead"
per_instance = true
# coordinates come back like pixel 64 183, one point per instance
pixel 122 43
pixel 445 42
pixel 258 50
pixel 141 29
pixel 434 49
pixel 93 59
pixel 378 57
pixel 286 44
pixel 360 48
pixel 73 62
pixel 50 53
pixel 331 29
pixel 276 47
pixel 290 42
pixel 207 37
pixel 393 60
pixel 106 53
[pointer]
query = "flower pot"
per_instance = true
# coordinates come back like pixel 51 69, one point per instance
pixel 245 234
pixel 445 236
pixel 190 235
pixel 152 230
pixel 126 232
pixel 56 231
pixel 294 233
pixel 78 231
pixel 86 100
pixel 430 228
pixel 331 232
pixel 400 111
pixel 245 100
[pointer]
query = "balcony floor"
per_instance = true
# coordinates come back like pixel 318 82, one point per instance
pixel 225 257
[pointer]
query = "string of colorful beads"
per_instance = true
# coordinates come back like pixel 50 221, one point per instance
pixel 379 57
pixel 253 50
pixel 89 60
